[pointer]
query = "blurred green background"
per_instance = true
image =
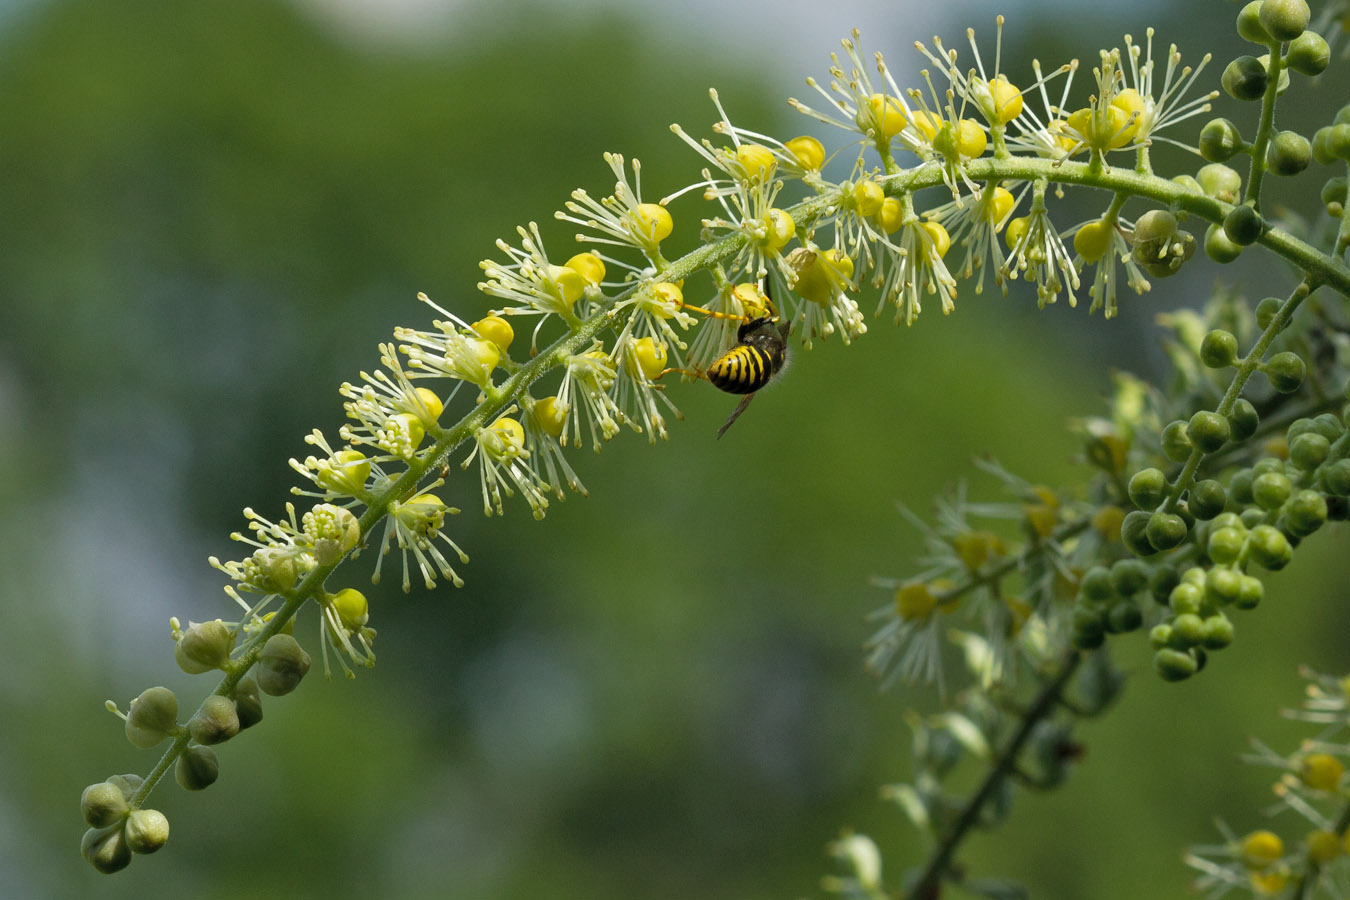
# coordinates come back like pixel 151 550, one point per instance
pixel 209 215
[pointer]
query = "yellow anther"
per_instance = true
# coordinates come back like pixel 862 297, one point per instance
pixel 1261 848
pixel 1000 205
pixel 942 241
pixel 892 215
pixel 758 161
pixel 928 122
pixel 1130 102
pixel 431 402
pixel 915 601
pixel 1016 229
pixel 1102 129
pixel 352 609
pixel 666 299
pixel 869 196
pixel 1007 101
pixel 751 300
pixel 507 437
pixel 648 356
pixel 1321 771
pixel 566 283
pixel 1093 240
pixel 779 228
pixel 888 115
pixel 497 330
pixel 485 353
pixel 810 153
pixel 971 140
pixel 654 222
pixel 550 416
pixel 588 266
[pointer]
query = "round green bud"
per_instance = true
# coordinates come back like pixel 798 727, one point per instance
pixel 1268 547
pixel 1096 586
pixel 1207 499
pixel 1188 630
pixel 1218 247
pixel 1284 20
pixel 1305 513
pixel 1165 530
pixel 1253 516
pixel 1208 430
pixel 1219 348
pixel 1161 582
pixel 1129 576
pixel 1220 182
pixel 1186 598
pixel 247 703
pixel 1132 533
pixel 1336 478
pixel 1308 54
pixel 106 849
pixel 1270 490
pixel 1334 193
pixel 1242 421
pixel 216 722
pixel 1250 592
pixel 146 830
pixel 1124 617
pixel 1188 182
pixel 1308 451
pixel 1321 151
pixel 1194 575
pixel 1245 78
pixel 1222 586
pixel 1147 488
pixel 1249 24
pixel 1240 487
pixel 1154 226
pixel 103 804
pixel 153 717
pixel 278 570
pixel 1176 443
pixel 1228 520
pixel 1264 60
pixel 1285 371
pixel 1168 259
pixel 197 768
pixel 203 646
pixel 281 665
pixel 1243 225
pixel 1266 311
pixel 1338 141
pixel 1218 633
pixel 128 784
pixel 1225 545
pixel 1089 627
pixel 1342 116
pixel 1174 665
pixel 1328 426
pixel 1220 140
pixel 1268 465
pixel 1160 635
pixel 1288 153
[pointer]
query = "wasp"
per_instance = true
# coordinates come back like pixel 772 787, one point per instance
pixel 759 355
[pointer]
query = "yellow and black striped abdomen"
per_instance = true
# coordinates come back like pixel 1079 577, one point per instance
pixel 743 369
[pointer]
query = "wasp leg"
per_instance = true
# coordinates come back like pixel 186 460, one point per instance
pixel 711 312
pixel 735 414
pixel 691 373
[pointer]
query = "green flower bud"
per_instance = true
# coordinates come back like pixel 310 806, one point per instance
pixel 1194 575
pixel 1308 451
pixel 1242 421
pixel 1220 140
pixel 1243 225
pixel 203 647
pixel 1218 633
pixel 1245 78
pixel 1096 586
pixel 1284 20
pixel 1250 592
pixel 1220 182
pixel 1268 547
pixel 1124 617
pixel 1270 490
pixel 1176 443
pixel 1160 635
pixel 1207 499
pixel 1129 576
pixel 1338 141
pixel 1174 665
pixel 1147 488
pixel 197 768
pixel 1218 247
pixel 247 703
pixel 1306 513
pixel 1222 586
pixel 1328 426
pixel 1133 533
pixel 1333 196
pixel 1264 60
pixel 1225 545
pixel 279 569
pixel 1186 598
pixel 1321 151
pixel 153 717
pixel 106 849
pixel 1267 465
pixel 1089 627
pixel 128 784
pixel 103 804
pixel 1161 582
pixel 1188 630
pixel 1266 311
pixel 1154 227
pixel 216 722
pixel 281 665
pixel 1308 54
pixel 1288 153
pixel 1208 430
pixel 1165 530
pixel 1336 478
pixel 1285 371
pixel 146 830
pixel 1249 24
pixel 1189 183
